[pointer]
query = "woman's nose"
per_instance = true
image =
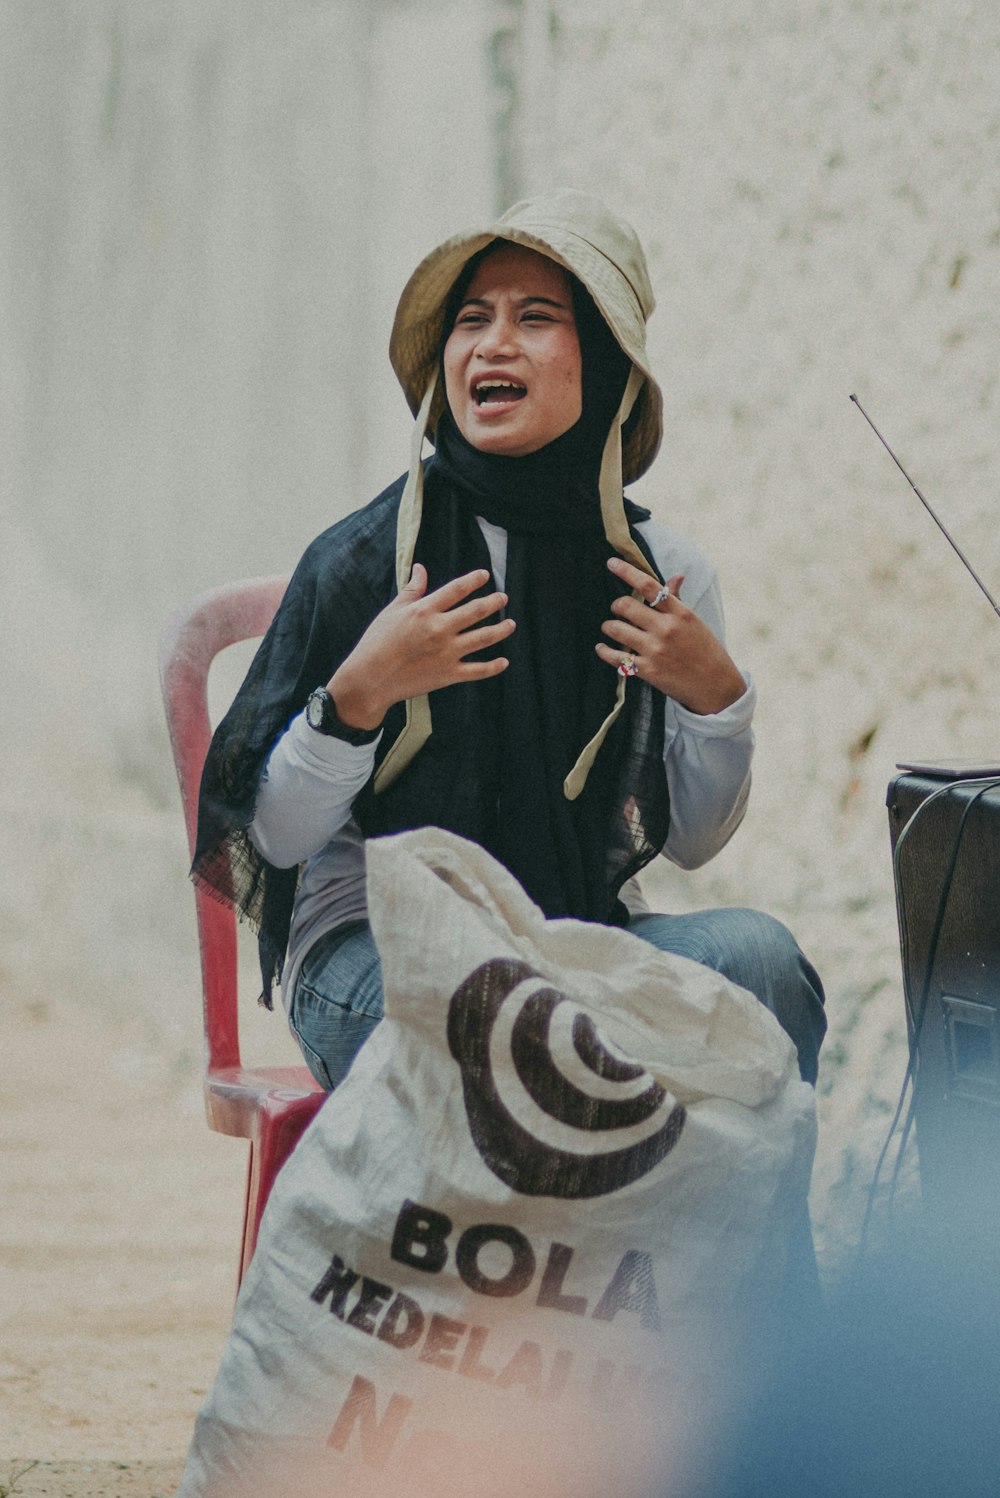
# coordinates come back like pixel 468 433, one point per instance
pixel 498 339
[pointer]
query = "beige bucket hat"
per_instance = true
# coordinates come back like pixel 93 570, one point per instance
pixel 578 232
pixel 603 251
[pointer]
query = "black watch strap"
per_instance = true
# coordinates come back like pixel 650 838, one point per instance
pixel 321 714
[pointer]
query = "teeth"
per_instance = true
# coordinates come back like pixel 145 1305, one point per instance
pixel 484 386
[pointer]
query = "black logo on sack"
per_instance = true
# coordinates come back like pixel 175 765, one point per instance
pixel 561 1078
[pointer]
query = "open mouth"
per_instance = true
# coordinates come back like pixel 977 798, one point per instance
pixel 497 392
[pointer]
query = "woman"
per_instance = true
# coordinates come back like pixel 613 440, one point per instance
pixel 490 646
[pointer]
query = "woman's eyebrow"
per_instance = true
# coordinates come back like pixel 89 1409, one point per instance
pixel 524 301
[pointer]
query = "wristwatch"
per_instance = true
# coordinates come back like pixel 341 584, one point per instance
pixel 321 714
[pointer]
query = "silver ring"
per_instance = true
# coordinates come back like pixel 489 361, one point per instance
pixel 661 596
pixel 627 665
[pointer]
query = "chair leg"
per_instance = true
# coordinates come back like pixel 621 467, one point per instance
pixel 248 1239
pixel 280 1125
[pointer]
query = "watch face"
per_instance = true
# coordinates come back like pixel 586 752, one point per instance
pixel 315 709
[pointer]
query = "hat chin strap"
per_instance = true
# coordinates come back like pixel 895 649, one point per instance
pixel 617 531
pixel 612 509
pixel 417 728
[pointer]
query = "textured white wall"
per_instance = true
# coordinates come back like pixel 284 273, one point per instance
pixel 207 211
pixel 818 188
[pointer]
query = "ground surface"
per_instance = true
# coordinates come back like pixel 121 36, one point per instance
pixel 118 1248
pixel 89 1479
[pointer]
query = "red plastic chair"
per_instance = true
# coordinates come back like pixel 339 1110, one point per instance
pixel 269 1106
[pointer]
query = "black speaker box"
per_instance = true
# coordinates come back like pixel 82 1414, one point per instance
pixel 946 859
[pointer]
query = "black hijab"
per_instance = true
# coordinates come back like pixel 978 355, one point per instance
pixel 494 767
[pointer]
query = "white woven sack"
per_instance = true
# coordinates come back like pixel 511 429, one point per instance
pixel 562 1168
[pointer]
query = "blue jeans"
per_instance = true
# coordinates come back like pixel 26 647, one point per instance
pixel 337 1000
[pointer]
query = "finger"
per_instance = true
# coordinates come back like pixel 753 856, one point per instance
pixel 417 584
pixel 633 577
pixel 458 590
pixel 480 670
pixel 670 589
pixel 642 583
pixel 663 602
pixel 481 639
pixel 614 658
pixel 625 635
pixel 650 589
pixel 636 611
pixel 465 615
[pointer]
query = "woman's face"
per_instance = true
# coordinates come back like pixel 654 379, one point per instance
pixel 512 366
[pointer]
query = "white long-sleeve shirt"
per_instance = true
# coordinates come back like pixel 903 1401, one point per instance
pixel 303 811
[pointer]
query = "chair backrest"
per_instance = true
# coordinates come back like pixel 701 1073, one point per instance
pixel 190 642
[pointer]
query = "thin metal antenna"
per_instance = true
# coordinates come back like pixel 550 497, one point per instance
pixel 953 544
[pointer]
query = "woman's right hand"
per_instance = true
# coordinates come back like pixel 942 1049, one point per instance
pixel 417 644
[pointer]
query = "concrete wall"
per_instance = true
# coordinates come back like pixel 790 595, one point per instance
pixel 207 212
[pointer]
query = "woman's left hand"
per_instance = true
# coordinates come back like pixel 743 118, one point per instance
pixel 673 649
